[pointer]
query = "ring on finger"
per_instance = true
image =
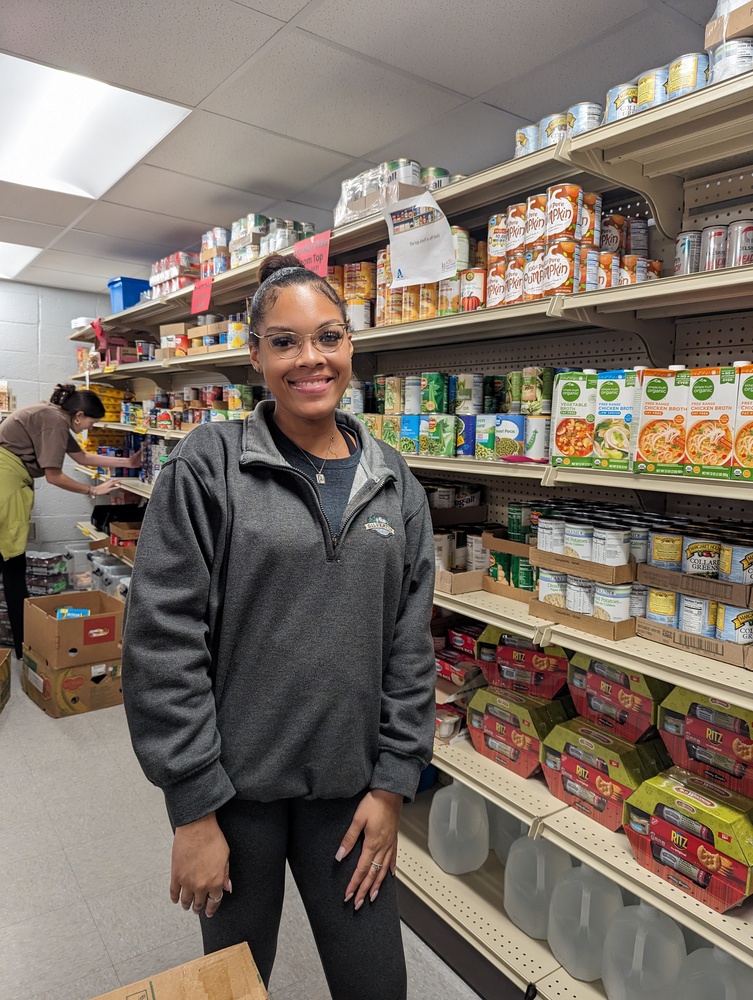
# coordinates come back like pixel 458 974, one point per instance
pixel 376 866
pixel 211 899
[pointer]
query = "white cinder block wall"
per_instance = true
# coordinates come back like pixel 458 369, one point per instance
pixel 35 354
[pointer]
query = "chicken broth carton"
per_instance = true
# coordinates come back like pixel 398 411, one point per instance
pixel 742 457
pixel 613 424
pixel 662 421
pixel 712 402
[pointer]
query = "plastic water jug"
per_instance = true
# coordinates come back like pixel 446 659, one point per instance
pixel 458 829
pixel 533 867
pixel 712 973
pixel 643 952
pixel 582 907
pixel 504 830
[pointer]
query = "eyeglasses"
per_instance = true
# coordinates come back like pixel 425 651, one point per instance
pixel 289 345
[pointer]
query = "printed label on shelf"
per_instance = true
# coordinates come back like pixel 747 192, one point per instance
pixel 202 293
pixel 421 247
pixel 314 252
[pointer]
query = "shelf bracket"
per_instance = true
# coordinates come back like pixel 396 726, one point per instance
pixel 536 828
pixel 656 335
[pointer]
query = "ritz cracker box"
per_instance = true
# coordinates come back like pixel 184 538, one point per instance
pixel 594 772
pixel 712 402
pixel 662 421
pixel 573 414
pixel 541 672
pixel 508 727
pixel 695 835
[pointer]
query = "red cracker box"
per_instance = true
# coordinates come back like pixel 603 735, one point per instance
pixel 508 727
pixel 595 773
pixel 541 672
pixel 709 737
pixel 695 835
pixel 464 637
pixel 456 667
pixel 622 703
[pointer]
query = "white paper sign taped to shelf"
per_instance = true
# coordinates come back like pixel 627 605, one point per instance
pixel 421 248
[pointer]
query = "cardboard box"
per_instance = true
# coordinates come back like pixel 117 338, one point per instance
pixel 212 252
pixel 737 24
pixel 662 421
pixel 583 567
pixel 615 405
pixel 495 544
pixel 380 199
pixel 126 531
pixel 712 402
pixel 726 652
pixel 614 631
pixel 573 414
pixel 693 835
pixel 459 583
pixel 508 727
pixel 541 672
pixel 175 330
pixel 210 330
pixel 492 586
pixel 626 704
pixel 73 690
pixel 739 595
pixel 4 678
pixel 75 641
pixel 447 693
pixel 224 975
pixel 595 773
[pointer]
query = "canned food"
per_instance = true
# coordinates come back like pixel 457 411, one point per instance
pixel 611 545
pixel 580 594
pixel 427 300
pixel 552 128
pixel 359 280
pixel 411 302
pixel 638 600
pixel 583 117
pixel 393 307
pixel 636 239
pixel 688 252
pixel 734 624
pixel 552 588
pixel 687 74
pixel 509 435
pixel 700 556
pixel 713 255
pixel 663 607
pixel 433 396
pixel 497 237
pixel 612 603
pixel 518 516
pixel 736 561
pixel 551 531
pixel 353 400
pixel 495 284
pixel 482 254
pixel 516 228
pixel 522 574
pixel 614 234
pixel 383 267
pixel 589 268
pixel 412 389
pixel 533 274
pixel 443 555
pixel 537 434
pixel 473 289
pixel 730 59
pixel 665 549
pixel 454 178
pixel 564 203
pixel 653 88
pixel 535 231
pixel 653 269
pixel 632 269
pixel 739 243
pixel 358 312
pixel 526 140
pixel 433 178
pixel 590 219
pixel 461 246
pixel 499 566
pixel 561 268
pixel 449 297
pixel 579 540
pixel 514 278
pixel 609 270
pixel 639 535
pixel 403 171
pixel 380 305
pixel 394 395
pixel 621 102
pixel 514 391
pixel 697 615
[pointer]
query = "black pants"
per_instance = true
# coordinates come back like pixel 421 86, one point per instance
pixel 14 585
pixel 362 953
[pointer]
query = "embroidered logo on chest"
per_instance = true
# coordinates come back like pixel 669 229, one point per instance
pixel 381 525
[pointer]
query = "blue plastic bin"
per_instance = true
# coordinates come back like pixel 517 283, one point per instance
pixel 125 292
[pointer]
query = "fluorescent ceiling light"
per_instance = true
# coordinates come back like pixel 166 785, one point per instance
pixel 68 133
pixel 14 258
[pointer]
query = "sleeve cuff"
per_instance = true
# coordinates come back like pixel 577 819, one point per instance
pixel 393 773
pixel 198 795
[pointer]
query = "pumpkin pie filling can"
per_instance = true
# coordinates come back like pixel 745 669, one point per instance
pixel 473 289
pixel 516 228
pixel 495 284
pixel 564 204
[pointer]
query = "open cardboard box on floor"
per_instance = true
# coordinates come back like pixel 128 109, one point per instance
pixel 72 642
pixel 727 652
pixel 72 691
pixel 225 975
pixel 739 595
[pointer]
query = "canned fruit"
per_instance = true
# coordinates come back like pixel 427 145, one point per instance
pixel 563 212
pixel 473 290
pixel 428 301
pixel 411 303
pixel 393 307
pixel 561 267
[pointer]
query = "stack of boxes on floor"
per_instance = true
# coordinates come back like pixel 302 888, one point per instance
pixel 46 573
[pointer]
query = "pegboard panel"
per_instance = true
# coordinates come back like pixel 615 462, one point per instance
pixel 632 205
pixel 717 339
pixel 738 511
pixel 719 198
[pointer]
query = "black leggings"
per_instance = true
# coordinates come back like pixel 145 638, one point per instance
pixel 362 953
pixel 14 585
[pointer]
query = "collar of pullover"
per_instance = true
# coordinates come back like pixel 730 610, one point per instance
pixel 259 446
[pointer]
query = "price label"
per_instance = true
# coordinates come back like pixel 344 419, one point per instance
pixel 138 429
pixel 314 252
pixel 202 293
pixel 109 368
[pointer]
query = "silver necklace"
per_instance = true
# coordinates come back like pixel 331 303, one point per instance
pixel 319 472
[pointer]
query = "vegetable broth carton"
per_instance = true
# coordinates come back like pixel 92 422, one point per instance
pixel 742 456
pixel 712 402
pixel 573 413
pixel 613 424
pixel 662 421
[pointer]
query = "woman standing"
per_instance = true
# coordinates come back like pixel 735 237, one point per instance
pixel 278 668
pixel 33 443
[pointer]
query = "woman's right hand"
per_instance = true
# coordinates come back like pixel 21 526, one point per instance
pixel 200 866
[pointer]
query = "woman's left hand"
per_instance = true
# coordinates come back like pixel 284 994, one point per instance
pixel 134 461
pixel 378 816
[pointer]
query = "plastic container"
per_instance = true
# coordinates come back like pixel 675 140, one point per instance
pixel 504 830
pixel 126 292
pixel 582 906
pixel 532 870
pixel 712 973
pixel 643 953
pixel 458 829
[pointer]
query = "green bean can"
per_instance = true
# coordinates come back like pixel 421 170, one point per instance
pixel 500 566
pixel 514 391
pixel 380 388
pixel 433 393
pixel 518 516
pixel 536 391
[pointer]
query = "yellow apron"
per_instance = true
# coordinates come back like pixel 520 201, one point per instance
pixel 16 501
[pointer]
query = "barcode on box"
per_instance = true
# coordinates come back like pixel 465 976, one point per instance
pixel 698 642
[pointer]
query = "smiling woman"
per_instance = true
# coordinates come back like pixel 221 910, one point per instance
pixel 278 667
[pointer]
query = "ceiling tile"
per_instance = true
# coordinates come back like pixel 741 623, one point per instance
pixel 34 205
pixel 282 9
pixel 648 41
pixel 158 190
pixel 102 267
pixel 228 152
pixel 180 52
pixel 699 11
pixel 61 279
pixel 351 105
pixel 30 234
pixel 464 141
pixel 133 224
pixel 112 247
pixel 300 213
pixel 326 193
pixel 468 47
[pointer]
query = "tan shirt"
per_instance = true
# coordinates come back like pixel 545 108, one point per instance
pixel 40 435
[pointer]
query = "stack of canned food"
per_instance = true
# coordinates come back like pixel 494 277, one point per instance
pixel 177 270
pixel 714 247
pixel 371 190
pixel 562 124
pixel 215 253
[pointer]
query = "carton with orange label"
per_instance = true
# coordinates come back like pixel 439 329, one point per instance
pixel 742 456
pixel 712 401
pixel 662 421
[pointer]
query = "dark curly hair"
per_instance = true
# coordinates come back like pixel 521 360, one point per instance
pixel 72 400
pixel 283 271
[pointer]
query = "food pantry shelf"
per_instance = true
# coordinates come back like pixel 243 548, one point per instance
pixel 137 487
pixel 472 906
pixel 472 466
pixel 500 611
pixel 725 489
pixel 89 531
pixel 143 429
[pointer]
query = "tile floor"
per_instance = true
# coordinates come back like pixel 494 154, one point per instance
pixel 84 866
